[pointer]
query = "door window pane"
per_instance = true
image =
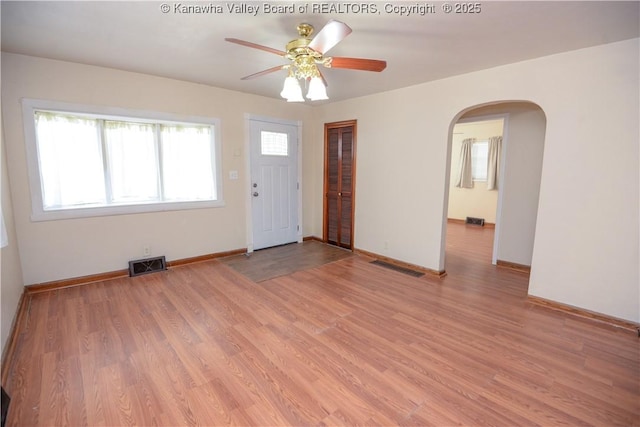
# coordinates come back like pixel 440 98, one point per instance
pixel 274 144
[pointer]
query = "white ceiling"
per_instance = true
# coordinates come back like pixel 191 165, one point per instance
pixel 137 36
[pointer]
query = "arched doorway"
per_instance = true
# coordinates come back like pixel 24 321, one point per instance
pixel 519 176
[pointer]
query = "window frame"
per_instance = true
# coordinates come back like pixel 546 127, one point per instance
pixel 38 213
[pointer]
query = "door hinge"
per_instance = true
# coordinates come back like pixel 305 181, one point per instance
pixel 298 227
pixel 298 185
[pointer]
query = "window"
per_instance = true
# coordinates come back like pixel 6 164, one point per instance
pixel 91 163
pixel 479 158
pixel 274 144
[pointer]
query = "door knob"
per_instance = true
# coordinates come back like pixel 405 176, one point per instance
pixel 255 184
pixel 255 194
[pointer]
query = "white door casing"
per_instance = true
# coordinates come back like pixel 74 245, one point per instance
pixel 274 183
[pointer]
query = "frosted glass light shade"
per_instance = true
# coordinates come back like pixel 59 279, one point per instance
pixel 291 90
pixel 317 90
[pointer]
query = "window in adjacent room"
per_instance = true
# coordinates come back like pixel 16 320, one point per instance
pixel 87 164
pixel 479 158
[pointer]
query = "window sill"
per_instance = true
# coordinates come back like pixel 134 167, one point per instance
pixel 60 214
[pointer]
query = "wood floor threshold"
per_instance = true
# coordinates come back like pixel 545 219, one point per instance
pixel 84 280
pixel 586 314
pixel 514 266
pixel 463 222
pixel 401 264
pixel 16 326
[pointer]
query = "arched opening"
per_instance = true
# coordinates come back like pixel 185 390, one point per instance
pixel 522 126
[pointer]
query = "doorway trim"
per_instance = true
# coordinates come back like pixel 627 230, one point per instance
pixel 535 131
pixel 354 147
pixel 501 170
pixel 247 175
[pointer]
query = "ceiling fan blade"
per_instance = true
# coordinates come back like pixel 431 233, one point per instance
pixel 329 36
pixel 256 46
pixel 264 72
pixel 358 64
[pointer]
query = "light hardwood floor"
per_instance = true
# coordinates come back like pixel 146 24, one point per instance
pixel 347 343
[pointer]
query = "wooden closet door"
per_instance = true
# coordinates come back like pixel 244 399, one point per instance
pixel 339 183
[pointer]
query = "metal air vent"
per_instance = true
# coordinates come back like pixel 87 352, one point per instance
pixel 148 265
pixel 475 221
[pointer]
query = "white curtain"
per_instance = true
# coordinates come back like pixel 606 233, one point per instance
pixel 188 160
pixel 133 169
pixel 465 177
pixel 70 156
pixel 493 162
pixel 142 162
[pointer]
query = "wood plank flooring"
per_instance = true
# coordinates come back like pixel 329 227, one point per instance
pixel 347 343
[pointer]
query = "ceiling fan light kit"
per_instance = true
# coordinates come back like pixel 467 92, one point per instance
pixel 317 90
pixel 305 55
pixel 291 90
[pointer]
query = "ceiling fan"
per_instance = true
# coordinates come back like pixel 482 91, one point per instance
pixel 307 54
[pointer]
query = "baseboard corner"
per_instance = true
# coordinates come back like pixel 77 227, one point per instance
pixel 12 340
pixel 514 266
pixel 585 314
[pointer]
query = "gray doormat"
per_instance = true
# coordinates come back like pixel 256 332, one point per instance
pixel 270 263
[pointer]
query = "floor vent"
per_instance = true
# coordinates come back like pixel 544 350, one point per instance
pixel 146 266
pixel 474 221
pixel 399 269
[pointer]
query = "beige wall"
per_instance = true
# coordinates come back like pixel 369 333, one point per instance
pixel 588 96
pixel 476 202
pixel 52 250
pixel 403 163
pixel 522 177
pixel 11 284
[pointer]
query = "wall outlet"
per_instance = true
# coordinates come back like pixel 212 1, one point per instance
pixel 146 251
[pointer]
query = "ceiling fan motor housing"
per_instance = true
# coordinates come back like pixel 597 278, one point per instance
pixel 304 58
pixel 299 47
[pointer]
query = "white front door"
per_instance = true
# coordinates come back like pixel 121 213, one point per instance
pixel 274 183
